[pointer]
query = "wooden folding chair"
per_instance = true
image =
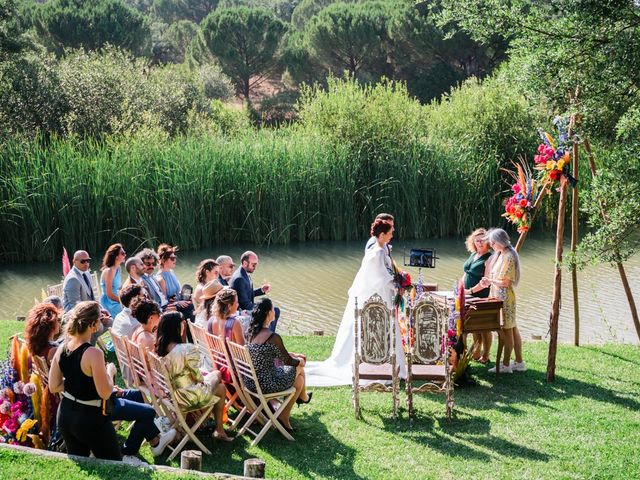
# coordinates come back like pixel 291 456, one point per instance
pixel 375 352
pixel 245 370
pixel 428 358
pixel 198 334
pixel 124 359
pixel 167 397
pixel 55 290
pixel 141 375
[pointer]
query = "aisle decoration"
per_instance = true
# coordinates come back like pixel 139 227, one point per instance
pixel 20 400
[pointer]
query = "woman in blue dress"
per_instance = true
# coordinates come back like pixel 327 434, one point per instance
pixel 166 277
pixel 110 279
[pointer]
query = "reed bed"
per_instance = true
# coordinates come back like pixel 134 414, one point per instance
pixel 262 187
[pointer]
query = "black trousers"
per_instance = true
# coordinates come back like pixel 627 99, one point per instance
pixel 86 430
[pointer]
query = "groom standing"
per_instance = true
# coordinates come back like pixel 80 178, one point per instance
pixel 242 284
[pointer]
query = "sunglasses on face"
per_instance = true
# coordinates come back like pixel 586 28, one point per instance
pixel 149 264
pixel 86 260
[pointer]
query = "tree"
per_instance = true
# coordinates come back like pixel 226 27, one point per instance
pixel 346 37
pixel 178 37
pixel 12 38
pixel 245 41
pixel 76 23
pixel 305 10
pixel 174 10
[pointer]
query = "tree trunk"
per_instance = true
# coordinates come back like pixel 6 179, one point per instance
pixel 254 468
pixel 623 275
pixel 557 286
pixel 536 207
pixel 191 460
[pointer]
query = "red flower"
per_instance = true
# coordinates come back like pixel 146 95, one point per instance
pixel 523 203
pixel 519 213
pixel 554 174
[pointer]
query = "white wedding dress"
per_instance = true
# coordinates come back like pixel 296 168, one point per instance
pixel 375 276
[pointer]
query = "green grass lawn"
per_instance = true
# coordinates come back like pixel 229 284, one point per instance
pixel 585 425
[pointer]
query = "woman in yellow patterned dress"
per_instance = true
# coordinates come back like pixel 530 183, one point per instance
pixel 505 274
pixel 183 361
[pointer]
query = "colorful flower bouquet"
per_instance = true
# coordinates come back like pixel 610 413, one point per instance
pixel 517 208
pixel 402 282
pixel 552 160
pixel 23 402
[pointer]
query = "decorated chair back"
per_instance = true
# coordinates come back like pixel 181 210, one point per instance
pixel 429 319
pixel 374 319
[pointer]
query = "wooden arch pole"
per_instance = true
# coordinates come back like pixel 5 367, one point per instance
pixel 574 245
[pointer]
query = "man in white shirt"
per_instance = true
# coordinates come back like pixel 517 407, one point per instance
pixel 125 324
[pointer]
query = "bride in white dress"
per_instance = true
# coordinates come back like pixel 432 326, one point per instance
pixel 375 276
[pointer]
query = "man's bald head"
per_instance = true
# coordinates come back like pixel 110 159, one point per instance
pixel 81 260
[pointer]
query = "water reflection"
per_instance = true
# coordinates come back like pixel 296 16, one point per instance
pixel 310 283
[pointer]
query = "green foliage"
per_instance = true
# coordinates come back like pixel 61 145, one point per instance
pixel 347 37
pixel 216 84
pixel 305 10
pixel 91 25
pixel 12 38
pixel 177 39
pixel 245 41
pixel 278 109
pixel 173 10
pixel 30 96
pixel 486 119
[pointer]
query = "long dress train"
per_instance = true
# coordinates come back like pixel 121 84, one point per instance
pixel 375 276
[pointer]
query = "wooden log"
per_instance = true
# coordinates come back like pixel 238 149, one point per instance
pixel 318 333
pixel 254 468
pixel 557 286
pixel 191 460
pixel 621 270
pixel 574 243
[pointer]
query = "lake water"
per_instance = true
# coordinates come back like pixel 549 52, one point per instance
pixel 310 282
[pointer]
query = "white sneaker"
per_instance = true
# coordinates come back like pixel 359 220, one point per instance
pixel 503 369
pixel 133 460
pixel 165 439
pixel 518 366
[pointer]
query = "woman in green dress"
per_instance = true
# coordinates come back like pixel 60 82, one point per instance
pixel 476 267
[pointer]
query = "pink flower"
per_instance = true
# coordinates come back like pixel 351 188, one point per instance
pixel 11 425
pixel 541 148
pixel 516 188
pixel 29 389
pixel 16 408
pixel 5 408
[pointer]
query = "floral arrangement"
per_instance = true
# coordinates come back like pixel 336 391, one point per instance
pixel 517 208
pixel 552 160
pixel 22 401
pixel 402 282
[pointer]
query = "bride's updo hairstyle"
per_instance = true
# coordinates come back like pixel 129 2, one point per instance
pixel 258 316
pixel 380 226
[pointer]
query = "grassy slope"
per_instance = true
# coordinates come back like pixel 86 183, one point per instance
pixel 585 425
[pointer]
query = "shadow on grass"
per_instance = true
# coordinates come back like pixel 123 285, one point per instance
pixel 609 354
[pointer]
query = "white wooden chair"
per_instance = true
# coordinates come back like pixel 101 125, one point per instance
pixel 245 370
pixel 142 377
pixel 124 359
pixel 428 359
pixel 167 397
pixel 198 334
pixel 55 290
pixel 374 353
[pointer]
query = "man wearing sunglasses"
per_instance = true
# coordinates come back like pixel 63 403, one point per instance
pixel 77 287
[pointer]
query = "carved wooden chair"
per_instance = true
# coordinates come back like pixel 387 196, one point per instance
pixel 245 370
pixel 374 353
pixel 428 358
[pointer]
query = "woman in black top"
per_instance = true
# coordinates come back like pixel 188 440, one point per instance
pixel 264 347
pixel 78 371
pixel 476 267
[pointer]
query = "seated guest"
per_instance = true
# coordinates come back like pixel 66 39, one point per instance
pixel 223 321
pixel 169 283
pixel 476 267
pixel 242 284
pixel 54 300
pixel 110 279
pixel 193 391
pixel 147 312
pixel 135 270
pixel 208 296
pixel 42 327
pixel 78 371
pixel 83 397
pixel 206 272
pixel 150 260
pixel 264 347
pixel 226 266
pixel 125 323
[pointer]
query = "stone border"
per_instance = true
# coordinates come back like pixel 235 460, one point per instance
pixel 97 461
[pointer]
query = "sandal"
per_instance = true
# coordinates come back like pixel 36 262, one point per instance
pixel 224 438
